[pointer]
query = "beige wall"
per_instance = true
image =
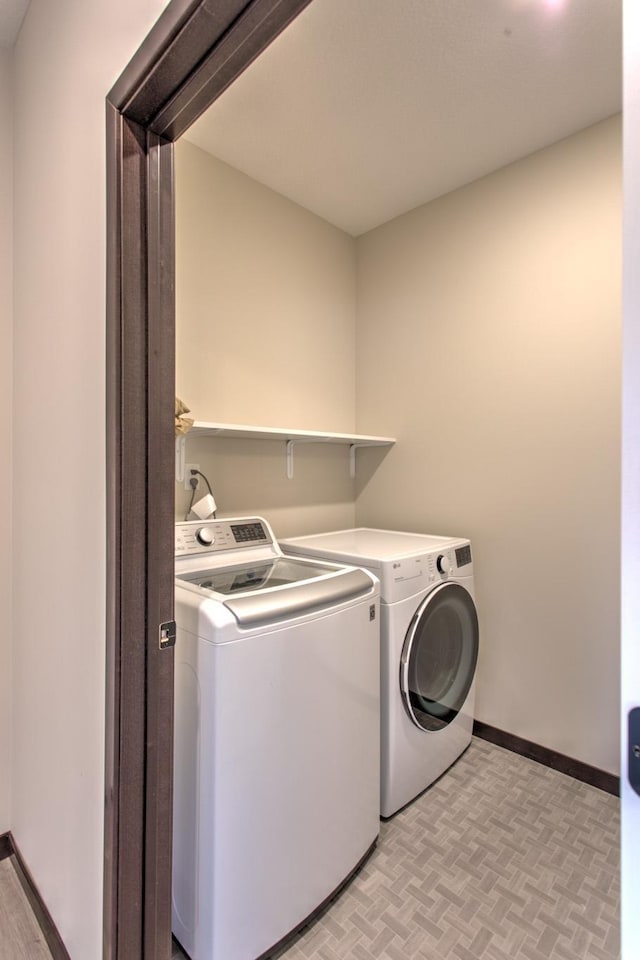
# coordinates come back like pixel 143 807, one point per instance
pixel 265 304
pixel 6 356
pixel 489 344
pixel 67 56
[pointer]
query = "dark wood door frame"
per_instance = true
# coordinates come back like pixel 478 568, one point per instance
pixel 197 48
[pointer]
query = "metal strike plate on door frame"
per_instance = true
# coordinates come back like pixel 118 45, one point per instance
pixel 633 748
pixel 167 634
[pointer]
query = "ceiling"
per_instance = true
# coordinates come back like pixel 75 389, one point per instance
pixel 363 110
pixel 11 16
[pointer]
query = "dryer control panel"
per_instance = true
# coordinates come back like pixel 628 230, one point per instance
pixel 212 536
pixel 446 562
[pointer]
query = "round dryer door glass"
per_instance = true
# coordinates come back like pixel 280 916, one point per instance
pixel 439 657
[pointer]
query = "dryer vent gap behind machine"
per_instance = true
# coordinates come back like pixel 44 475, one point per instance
pixel 277 736
pixel 429 649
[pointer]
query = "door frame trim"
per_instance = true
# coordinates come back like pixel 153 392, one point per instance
pixel 193 53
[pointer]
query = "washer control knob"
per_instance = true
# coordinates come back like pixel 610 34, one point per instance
pixel 443 565
pixel 205 536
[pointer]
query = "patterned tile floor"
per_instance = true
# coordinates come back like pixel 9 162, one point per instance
pixel 501 859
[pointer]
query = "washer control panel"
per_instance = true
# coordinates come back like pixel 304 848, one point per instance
pixel 212 536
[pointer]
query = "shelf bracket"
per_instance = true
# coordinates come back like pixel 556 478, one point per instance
pixel 352 456
pixel 290 446
pixel 181 446
pixel 352 453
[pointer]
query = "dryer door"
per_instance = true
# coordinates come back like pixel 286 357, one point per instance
pixel 439 657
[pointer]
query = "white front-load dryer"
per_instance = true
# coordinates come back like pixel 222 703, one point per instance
pixel 429 649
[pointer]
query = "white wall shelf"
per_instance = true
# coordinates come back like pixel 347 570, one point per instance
pixel 289 437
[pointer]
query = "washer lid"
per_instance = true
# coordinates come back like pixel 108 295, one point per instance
pixel 271 605
pixel 269 590
pixel 252 577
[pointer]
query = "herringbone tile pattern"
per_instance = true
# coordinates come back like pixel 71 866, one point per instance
pixel 502 859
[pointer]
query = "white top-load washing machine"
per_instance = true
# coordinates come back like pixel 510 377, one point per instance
pixel 429 649
pixel 277 749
